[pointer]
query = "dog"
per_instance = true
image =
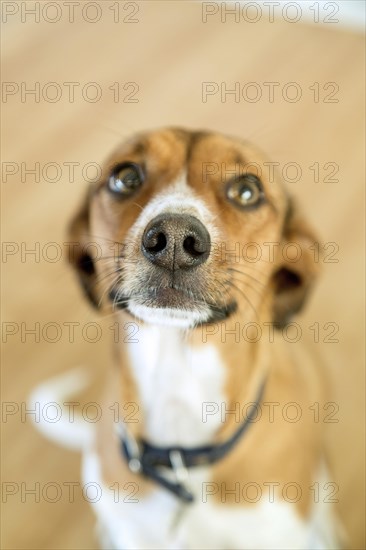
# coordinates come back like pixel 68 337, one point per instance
pixel 201 251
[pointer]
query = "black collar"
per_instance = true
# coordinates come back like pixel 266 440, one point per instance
pixel 144 458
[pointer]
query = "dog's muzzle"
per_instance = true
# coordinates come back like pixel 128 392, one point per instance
pixel 171 283
pixel 176 241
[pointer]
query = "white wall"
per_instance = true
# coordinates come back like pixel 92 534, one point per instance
pixel 349 14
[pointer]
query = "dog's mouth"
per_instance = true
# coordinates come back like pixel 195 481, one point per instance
pixel 172 305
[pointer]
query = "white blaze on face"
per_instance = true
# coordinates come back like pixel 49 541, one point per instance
pixel 178 198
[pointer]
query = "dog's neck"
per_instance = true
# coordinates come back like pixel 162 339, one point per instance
pixel 184 390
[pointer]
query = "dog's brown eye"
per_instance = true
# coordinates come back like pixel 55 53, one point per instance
pixel 126 178
pixel 246 191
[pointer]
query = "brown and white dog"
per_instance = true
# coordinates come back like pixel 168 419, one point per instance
pixel 205 255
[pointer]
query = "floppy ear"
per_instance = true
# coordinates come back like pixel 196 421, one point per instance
pixel 80 255
pixel 297 270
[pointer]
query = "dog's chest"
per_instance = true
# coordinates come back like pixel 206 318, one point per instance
pixel 175 382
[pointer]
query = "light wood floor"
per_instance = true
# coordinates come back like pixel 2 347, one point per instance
pixel 169 53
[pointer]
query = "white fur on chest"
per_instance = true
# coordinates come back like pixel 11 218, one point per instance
pixel 174 380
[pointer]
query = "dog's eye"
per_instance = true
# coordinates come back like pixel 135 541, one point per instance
pixel 126 178
pixel 246 191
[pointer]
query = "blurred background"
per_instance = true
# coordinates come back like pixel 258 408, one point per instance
pixel 76 81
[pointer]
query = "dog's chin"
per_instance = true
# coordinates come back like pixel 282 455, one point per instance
pixel 170 307
pixel 173 308
pixel 168 316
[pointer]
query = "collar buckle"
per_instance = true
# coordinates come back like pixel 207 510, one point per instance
pixel 133 449
pixel 178 466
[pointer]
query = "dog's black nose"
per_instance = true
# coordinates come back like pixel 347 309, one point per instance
pixel 176 241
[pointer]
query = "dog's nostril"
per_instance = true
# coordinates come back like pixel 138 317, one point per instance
pixel 155 242
pixel 193 247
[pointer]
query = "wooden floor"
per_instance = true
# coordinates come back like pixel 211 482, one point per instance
pixel 168 55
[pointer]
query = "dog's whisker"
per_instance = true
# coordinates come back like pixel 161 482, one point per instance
pixel 138 205
pixel 102 276
pixel 236 273
pixel 247 285
pixel 109 288
pixel 244 264
pixel 239 272
pixel 233 285
pixel 245 282
pixel 225 291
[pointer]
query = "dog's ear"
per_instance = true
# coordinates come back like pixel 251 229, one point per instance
pixel 80 254
pixel 297 270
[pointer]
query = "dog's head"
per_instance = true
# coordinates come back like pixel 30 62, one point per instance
pixel 187 228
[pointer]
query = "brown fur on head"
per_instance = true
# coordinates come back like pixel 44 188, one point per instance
pixel 250 268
